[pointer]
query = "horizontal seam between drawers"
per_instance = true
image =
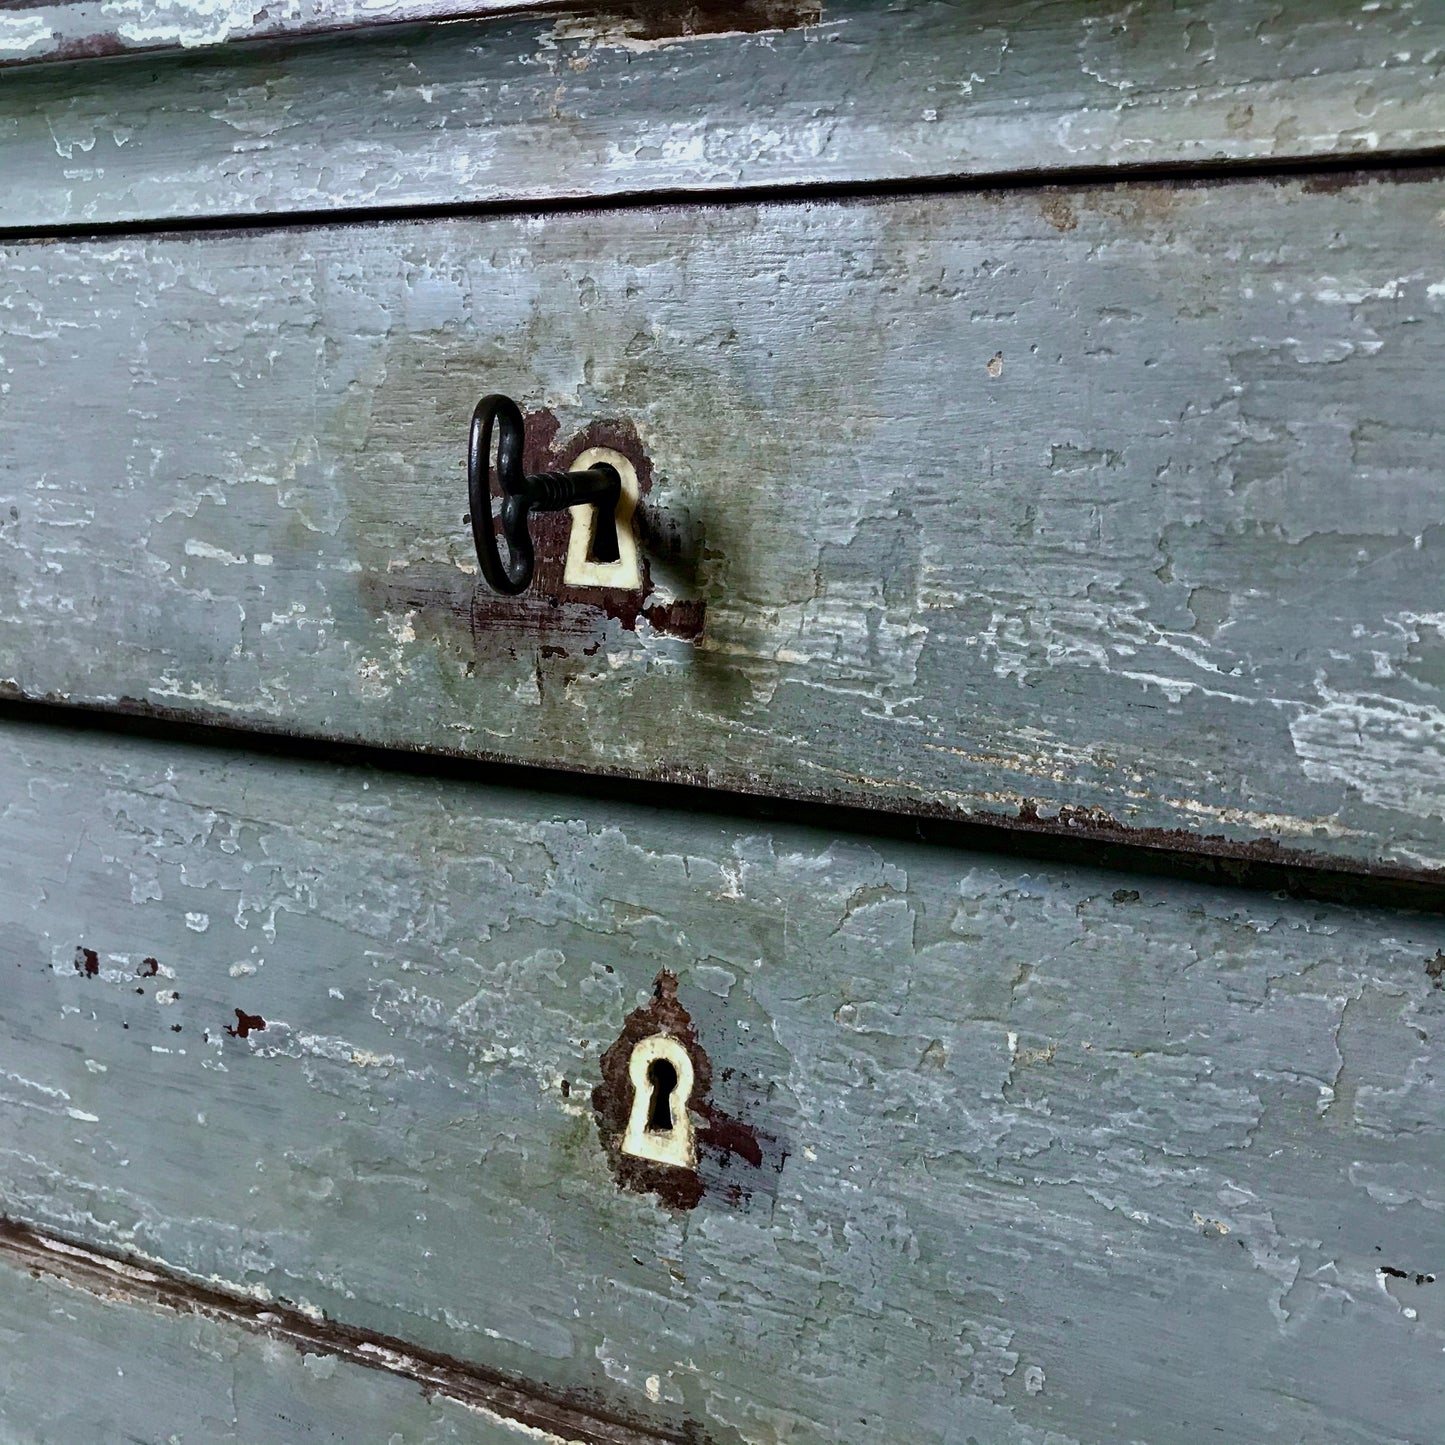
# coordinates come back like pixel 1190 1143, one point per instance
pixel 1337 172
pixel 1075 838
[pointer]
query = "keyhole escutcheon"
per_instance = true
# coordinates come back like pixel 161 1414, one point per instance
pixel 659 1126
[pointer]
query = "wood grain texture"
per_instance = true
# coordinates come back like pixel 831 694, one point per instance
pixel 1053 1137
pixel 41 30
pixel 590 104
pixel 83 1361
pixel 1117 505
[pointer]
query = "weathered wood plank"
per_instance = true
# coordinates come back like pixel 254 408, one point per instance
pixel 98 1353
pixel 41 30
pixel 1053 1137
pixel 555 106
pixel 1123 502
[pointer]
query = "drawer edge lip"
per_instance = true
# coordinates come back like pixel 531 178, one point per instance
pixel 149 1284
pixel 68 48
pixel 1072 836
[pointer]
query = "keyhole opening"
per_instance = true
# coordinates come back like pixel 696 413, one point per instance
pixel 602 544
pixel 662 1076
pixel 603 547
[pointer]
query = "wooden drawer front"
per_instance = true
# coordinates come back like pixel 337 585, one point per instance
pixel 1045 1130
pixel 1120 501
pixel 97 1355
pixel 688 97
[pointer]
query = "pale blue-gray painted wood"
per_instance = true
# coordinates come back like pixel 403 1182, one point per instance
pixel 1071 1156
pixel 540 108
pixel 83 1362
pixel 1122 501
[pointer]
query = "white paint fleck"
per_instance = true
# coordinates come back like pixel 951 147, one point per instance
pixel 323 1367
pixel 196 548
pixel 97 1261
pixel 22 34
pixel 1390 751
pixel 43 1089
pixel 192 23
pixel 365 1059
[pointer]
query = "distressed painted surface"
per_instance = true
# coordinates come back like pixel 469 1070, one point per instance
pixel 33 30
pixel 79 1366
pixel 1122 499
pixel 1055 1138
pixel 579 104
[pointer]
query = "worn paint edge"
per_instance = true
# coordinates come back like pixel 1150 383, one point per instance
pixel 1325 171
pixel 103 45
pixel 689 19
pixel 546 1415
pixel 1077 837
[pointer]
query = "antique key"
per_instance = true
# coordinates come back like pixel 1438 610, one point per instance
pixel 599 484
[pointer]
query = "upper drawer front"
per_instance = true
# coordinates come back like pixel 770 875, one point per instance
pixel 1025 1135
pixel 1120 501
pixel 591 103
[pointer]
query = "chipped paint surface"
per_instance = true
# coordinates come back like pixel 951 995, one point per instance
pixel 633 98
pixel 78 29
pixel 1029 1112
pixel 72 29
pixel 1177 566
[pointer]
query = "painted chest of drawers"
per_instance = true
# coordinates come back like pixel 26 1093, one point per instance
pixel 1011 786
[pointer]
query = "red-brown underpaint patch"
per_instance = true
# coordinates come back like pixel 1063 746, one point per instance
pixel 558 620
pixel 678 19
pixel 149 967
pixel 87 962
pixel 246 1024
pixel 721 1135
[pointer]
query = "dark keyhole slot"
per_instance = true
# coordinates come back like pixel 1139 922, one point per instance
pixel 604 527
pixel 663 1078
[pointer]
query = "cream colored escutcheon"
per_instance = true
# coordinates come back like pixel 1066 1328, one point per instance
pixel 660 1129
pixel 625 574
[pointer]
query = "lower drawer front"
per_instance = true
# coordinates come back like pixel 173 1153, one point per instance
pixel 86 1363
pixel 1042 1149
pixel 1118 500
